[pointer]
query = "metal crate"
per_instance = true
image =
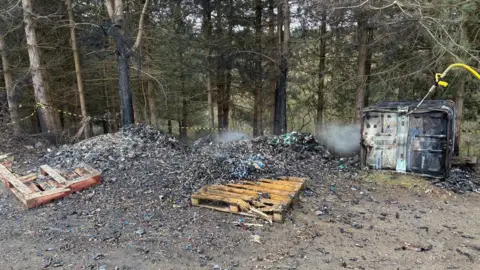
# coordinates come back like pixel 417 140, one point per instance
pixel 397 137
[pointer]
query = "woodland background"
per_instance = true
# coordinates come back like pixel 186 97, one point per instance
pixel 257 66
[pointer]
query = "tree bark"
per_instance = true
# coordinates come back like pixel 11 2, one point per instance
pixel 152 104
pixel 152 101
pixel 11 96
pixel 115 11
pixel 228 71
pixel 363 64
pixel 321 71
pixel 220 71
pixel 207 34
pixel 459 100
pixel 465 41
pixel 146 118
pixel 258 97
pixel 47 118
pixel 228 90
pixel 368 66
pixel 170 128
pixel 184 121
pixel 78 71
pixel 280 121
pixel 221 99
pixel 272 67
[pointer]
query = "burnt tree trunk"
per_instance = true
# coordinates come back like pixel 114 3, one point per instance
pixel 280 120
pixel 124 89
pixel 124 52
pixel 170 127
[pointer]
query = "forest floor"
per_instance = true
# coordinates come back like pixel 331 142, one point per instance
pixel 371 221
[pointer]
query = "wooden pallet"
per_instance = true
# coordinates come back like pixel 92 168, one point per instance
pixel 34 190
pixel 265 198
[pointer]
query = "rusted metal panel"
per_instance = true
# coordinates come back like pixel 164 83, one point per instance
pixel 397 137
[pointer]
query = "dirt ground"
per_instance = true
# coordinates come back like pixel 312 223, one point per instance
pixel 372 221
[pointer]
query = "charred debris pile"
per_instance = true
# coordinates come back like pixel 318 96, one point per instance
pixel 149 156
pixel 145 156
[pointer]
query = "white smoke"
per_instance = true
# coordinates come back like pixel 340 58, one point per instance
pixel 232 136
pixel 342 139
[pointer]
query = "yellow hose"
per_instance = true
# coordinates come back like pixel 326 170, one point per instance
pixel 439 82
pixel 469 68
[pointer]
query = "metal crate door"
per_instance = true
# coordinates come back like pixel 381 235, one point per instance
pixel 402 139
pixel 379 137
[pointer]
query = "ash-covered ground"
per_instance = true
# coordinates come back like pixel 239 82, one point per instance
pixel 140 216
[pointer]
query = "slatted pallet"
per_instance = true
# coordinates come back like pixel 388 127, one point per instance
pixel 265 198
pixel 34 190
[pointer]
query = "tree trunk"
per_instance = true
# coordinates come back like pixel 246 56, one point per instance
pixel 47 118
pixel 169 124
pixel 220 70
pixel 115 12
pixel 146 118
pixel 11 97
pixel 321 71
pixel 220 100
pixel 258 97
pixel 207 34
pixel 280 121
pixel 228 72
pixel 152 101
pixel 459 99
pixel 152 104
pixel 184 121
pixel 272 67
pixel 368 66
pixel 228 88
pixel 78 71
pixel 125 91
pixel 363 65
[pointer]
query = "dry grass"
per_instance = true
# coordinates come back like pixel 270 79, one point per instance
pixel 407 181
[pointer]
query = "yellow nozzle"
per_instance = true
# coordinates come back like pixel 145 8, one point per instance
pixel 438 78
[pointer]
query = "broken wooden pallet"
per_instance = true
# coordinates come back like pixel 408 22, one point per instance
pixel 265 198
pixel 33 190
